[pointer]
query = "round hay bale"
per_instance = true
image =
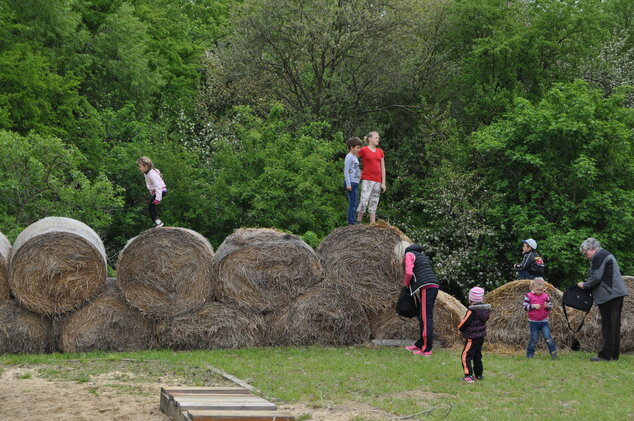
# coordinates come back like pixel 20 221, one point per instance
pixel 360 260
pixel 448 312
pixel 166 272
pixel 57 265
pixel 216 325
pixel 107 323
pixel 22 330
pixel 263 269
pixel 5 251
pixel 590 338
pixel 322 316
pixel 508 324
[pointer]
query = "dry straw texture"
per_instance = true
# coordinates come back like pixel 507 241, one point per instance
pixel 360 260
pixel 263 269
pixel 107 323
pixel 323 315
pixel 57 265
pixel 5 251
pixel 448 312
pixel 216 325
pixel 166 272
pixel 508 324
pixel 22 330
pixel 590 338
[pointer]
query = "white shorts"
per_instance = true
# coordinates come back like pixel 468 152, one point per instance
pixel 370 194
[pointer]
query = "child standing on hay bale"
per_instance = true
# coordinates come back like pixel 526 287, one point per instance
pixel 474 329
pixel 351 177
pixel 532 264
pixel 420 277
pixel 537 304
pixel 372 176
pixel 155 185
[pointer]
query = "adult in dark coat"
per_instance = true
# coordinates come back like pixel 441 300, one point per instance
pixel 421 280
pixel 608 289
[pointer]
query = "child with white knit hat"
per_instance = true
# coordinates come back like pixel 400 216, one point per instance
pixel 474 329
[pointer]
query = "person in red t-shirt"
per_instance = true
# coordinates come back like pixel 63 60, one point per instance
pixel 372 177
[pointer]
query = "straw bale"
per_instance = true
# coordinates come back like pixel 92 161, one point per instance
pixel 57 265
pixel 322 316
pixel 165 272
pixel 107 323
pixel 360 260
pixel 5 252
pixel 508 324
pixel 216 325
pixel 22 330
pixel 448 312
pixel 590 338
pixel 263 269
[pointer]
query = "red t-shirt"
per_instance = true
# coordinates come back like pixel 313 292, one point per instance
pixel 371 164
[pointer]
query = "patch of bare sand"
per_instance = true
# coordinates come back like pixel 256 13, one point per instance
pixel 109 397
pixel 34 398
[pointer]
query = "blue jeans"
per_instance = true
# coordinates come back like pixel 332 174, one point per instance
pixel 353 202
pixel 522 274
pixel 544 328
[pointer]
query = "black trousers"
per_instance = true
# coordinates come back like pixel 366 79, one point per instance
pixel 154 212
pixel 472 352
pixel 426 318
pixel 611 328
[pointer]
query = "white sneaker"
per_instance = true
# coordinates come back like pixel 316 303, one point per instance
pixel 158 223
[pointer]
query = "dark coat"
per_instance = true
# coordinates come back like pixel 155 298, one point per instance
pixel 423 273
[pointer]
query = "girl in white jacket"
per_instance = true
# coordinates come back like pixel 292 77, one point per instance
pixel 155 185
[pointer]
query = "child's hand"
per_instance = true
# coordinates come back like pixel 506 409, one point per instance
pixel 156 202
pixel 383 187
pixel 349 188
pixel 536 306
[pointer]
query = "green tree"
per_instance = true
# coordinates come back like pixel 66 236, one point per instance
pixel 270 174
pixel 504 49
pixel 40 176
pixel 563 168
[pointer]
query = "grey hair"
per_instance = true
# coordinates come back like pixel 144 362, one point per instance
pixel 589 244
pixel 399 249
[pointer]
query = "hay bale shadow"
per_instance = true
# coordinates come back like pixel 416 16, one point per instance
pixel 22 330
pixel 107 323
pixel 215 325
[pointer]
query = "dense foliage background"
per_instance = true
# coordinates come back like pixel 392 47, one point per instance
pixel 500 120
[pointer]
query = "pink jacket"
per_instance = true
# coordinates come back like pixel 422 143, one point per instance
pixel 541 314
pixel 155 183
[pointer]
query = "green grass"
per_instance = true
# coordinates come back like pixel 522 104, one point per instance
pixel 386 378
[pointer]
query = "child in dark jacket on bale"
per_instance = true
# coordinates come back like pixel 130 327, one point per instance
pixel 474 329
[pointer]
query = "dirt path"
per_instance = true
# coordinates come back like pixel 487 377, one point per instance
pixel 25 395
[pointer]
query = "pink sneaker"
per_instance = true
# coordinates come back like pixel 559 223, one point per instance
pixel 412 348
pixel 424 354
pixel 469 379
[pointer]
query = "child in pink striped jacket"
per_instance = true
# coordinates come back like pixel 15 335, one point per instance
pixel 537 305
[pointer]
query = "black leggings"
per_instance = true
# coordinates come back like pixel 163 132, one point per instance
pixel 154 212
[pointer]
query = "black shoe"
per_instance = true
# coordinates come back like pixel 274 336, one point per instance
pixel 595 359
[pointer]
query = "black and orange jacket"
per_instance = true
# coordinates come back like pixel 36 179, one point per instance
pixel 474 323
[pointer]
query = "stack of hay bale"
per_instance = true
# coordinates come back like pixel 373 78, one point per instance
pixel 261 273
pixel 56 265
pixel 360 264
pixel 164 274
